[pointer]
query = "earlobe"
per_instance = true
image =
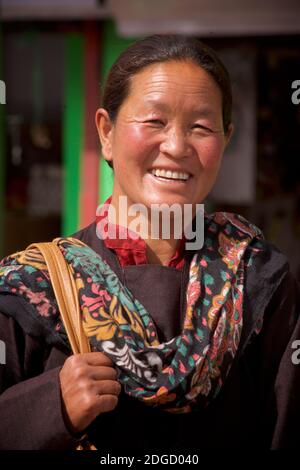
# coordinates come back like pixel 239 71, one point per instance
pixel 104 128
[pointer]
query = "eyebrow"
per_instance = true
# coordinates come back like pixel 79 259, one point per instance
pixel 202 112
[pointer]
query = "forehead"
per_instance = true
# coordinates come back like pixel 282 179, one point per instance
pixel 174 81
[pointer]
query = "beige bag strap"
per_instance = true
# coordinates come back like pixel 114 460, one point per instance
pixel 66 294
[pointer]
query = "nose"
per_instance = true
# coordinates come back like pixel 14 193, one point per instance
pixel 175 143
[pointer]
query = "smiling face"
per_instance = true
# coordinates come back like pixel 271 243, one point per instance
pixel 167 141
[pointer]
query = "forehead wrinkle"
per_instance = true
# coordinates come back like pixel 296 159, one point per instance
pixel 162 105
pixel 168 75
pixel 165 90
pixel 153 94
pixel 167 85
pixel 166 80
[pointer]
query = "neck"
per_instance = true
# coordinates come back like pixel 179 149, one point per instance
pixel 159 249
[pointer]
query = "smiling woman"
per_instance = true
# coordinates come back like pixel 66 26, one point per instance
pixel 172 122
pixel 186 343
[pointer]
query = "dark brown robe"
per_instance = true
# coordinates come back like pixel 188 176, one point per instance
pixel 258 407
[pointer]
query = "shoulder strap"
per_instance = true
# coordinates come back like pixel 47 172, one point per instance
pixel 66 294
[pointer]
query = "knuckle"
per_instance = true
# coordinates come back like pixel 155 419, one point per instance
pixel 87 402
pixel 118 388
pixel 85 385
pixel 110 373
pixel 102 390
pixel 80 372
pixel 68 362
pixel 110 387
pixel 113 401
pixel 109 402
pixel 75 359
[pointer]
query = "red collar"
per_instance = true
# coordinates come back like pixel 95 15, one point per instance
pixel 131 250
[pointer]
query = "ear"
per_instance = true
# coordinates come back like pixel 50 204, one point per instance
pixel 105 132
pixel 228 134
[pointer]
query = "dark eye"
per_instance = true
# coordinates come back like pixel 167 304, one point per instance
pixel 201 127
pixel 156 122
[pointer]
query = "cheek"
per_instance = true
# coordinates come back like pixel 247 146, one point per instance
pixel 210 153
pixel 135 145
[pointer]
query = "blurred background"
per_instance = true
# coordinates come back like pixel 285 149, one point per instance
pixel 54 56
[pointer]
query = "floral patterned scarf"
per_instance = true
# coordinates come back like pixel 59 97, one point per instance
pixel 182 374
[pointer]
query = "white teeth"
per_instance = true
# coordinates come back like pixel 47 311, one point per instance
pixel 175 175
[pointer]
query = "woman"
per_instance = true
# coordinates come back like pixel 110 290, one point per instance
pixel 192 348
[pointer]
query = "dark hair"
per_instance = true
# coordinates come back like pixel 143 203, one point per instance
pixel 162 48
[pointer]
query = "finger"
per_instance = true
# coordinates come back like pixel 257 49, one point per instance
pixel 106 403
pixel 98 359
pixel 102 373
pixel 107 387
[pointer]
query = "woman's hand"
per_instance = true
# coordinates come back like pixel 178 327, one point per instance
pixel 89 388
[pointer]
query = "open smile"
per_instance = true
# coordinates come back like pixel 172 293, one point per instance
pixel 169 176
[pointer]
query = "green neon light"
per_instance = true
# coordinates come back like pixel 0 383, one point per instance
pixel 113 45
pixel 72 131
